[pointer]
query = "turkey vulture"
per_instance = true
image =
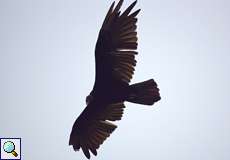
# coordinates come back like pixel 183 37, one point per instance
pixel 115 62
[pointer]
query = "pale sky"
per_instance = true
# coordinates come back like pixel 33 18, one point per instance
pixel 47 70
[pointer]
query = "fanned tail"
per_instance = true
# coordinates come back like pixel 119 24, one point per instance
pixel 146 93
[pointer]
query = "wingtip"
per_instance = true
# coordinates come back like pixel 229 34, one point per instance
pixel 135 2
pixel 86 152
pixel 121 1
pixel 111 7
pixel 128 10
pixel 76 148
pixel 134 14
pixel 117 8
pixel 94 151
pixel 113 3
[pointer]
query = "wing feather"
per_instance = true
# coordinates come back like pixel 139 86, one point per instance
pixel 92 128
pixel 117 34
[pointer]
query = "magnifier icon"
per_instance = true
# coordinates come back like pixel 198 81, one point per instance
pixel 9 147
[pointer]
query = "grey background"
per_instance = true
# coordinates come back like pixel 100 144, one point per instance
pixel 47 69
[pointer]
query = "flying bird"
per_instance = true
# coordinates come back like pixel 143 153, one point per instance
pixel 115 61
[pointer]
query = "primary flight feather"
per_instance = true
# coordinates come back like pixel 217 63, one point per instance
pixel 115 61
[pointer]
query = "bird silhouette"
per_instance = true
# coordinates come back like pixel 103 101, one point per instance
pixel 115 61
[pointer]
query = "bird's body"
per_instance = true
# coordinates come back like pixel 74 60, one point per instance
pixel 115 62
pixel 106 86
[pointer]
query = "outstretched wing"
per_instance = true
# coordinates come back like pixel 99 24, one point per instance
pixel 116 45
pixel 92 128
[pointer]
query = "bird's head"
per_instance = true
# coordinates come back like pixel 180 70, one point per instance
pixel 89 98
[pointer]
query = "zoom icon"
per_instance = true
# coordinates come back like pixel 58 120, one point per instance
pixel 10 149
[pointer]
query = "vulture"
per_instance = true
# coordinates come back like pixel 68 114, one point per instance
pixel 115 53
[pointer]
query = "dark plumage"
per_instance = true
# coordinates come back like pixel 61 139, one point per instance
pixel 115 62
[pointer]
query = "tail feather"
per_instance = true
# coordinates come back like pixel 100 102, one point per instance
pixel 145 93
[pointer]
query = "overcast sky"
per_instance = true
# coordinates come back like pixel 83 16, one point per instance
pixel 47 70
